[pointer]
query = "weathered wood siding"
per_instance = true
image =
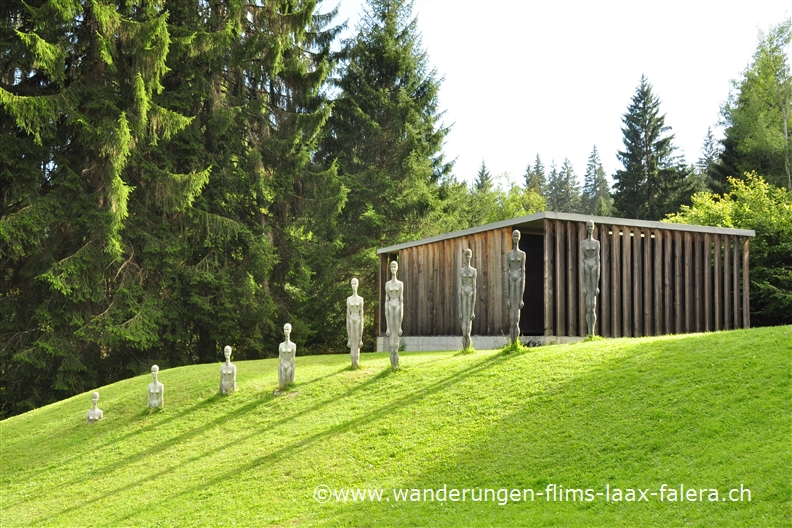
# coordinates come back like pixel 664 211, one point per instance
pixel 653 281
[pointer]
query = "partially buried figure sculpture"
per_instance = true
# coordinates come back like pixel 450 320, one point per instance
pixel 467 298
pixel 286 353
pixel 227 374
pixel 394 312
pixel 354 323
pixel 515 260
pixel 590 263
pixel 95 413
pixel 156 391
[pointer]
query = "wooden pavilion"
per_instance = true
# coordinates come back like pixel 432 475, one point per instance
pixel 655 278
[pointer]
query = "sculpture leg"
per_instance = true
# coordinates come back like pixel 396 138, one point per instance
pixel 394 358
pixel 355 352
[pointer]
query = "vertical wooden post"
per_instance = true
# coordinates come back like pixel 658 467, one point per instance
pixel 717 282
pixel 381 280
pixel 581 300
pixel 668 262
pixel 604 301
pixel 727 294
pixel 627 266
pixel 616 271
pixel 678 283
pixel 707 282
pixel 746 285
pixel 571 275
pixel 646 242
pixel 548 277
pixel 637 266
pixel 560 279
pixel 736 283
pixel 697 281
pixel 657 283
pixel 688 256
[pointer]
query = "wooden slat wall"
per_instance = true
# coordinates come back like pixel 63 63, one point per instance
pixel 549 295
pixel 652 282
pixel 604 325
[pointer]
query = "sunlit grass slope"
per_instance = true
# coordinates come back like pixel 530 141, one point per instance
pixel 707 411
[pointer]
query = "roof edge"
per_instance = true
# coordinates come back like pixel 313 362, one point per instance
pixel 552 215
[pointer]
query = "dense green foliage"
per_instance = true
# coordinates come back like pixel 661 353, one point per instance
pixel 176 175
pixel 653 180
pixel 596 198
pixel 156 176
pixel 705 411
pixel 385 138
pixel 753 203
pixel 757 114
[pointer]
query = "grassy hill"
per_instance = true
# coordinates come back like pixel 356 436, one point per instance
pixel 705 411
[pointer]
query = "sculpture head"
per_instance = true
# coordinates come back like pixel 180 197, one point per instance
pixel 154 371
pixel 95 398
pixel 590 226
pixel 394 267
pixel 354 283
pixel 227 352
pixel 516 236
pixel 468 255
pixel 287 330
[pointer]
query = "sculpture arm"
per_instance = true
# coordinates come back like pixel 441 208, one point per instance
pixel 459 293
pixel 473 297
pixel 401 306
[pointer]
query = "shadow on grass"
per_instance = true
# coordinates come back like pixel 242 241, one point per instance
pixel 418 394
pixel 650 415
pixel 210 401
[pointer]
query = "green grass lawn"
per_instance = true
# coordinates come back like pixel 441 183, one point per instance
pixel 705 411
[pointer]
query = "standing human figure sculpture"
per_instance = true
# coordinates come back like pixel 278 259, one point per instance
pixel 590 264
pixel 228 373
pixel 156 391
pixel 94 414
pixel 515 260
pixel 286 354
pixel 354 323
pixel 467 298
pixel 394 312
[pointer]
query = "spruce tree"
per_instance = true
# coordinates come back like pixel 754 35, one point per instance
pixel 708 166
pixel 554 189
pixel 535 179
pixel 758 113
pixel 653 181
pixel 596 198
pixel 569 195
pixel 385 137
pixel 483 182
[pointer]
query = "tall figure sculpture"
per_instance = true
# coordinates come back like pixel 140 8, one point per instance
pixel 515 260
pixel 394 312
pixel 156 391
pixel 590 264
pixel 286 353
pixel 95 413
pixel 354 323
pixel 227 374
pixel 467 298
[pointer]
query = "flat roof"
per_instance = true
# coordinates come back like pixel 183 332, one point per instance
pixel 536 220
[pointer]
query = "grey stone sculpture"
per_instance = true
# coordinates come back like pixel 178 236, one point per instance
pixel 227 374
pixel 515 260
pixel 156 391
pixel 286 354
pixel 467 298
pixel 590 264
pixel 394 312
pixel 354 323
pixel 95 413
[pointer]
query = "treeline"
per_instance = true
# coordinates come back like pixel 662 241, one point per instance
pixel 178 175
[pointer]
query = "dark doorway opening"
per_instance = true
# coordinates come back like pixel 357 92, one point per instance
pixel 532 313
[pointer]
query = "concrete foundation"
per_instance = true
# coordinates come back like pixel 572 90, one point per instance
pixel 436 343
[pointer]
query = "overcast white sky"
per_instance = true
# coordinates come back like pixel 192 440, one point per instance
pixel 555 77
